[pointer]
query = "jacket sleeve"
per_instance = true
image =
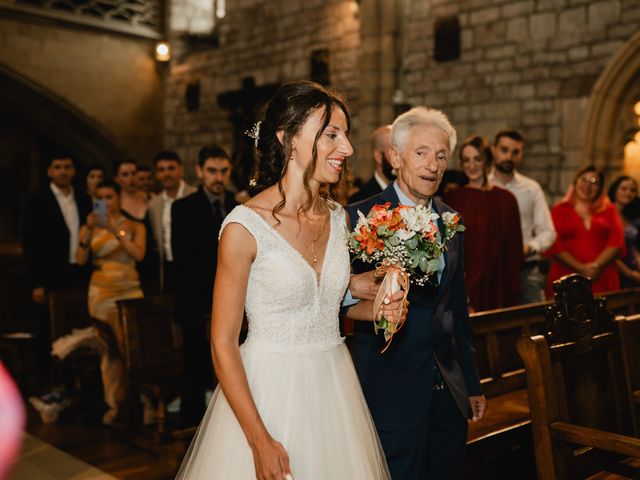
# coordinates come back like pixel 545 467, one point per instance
pixel 180 238
pixel 32 236
pixel 463 333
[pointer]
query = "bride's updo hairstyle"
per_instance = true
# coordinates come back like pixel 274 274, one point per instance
pixel 288 110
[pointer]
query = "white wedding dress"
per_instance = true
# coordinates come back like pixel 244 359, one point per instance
pixel 300 373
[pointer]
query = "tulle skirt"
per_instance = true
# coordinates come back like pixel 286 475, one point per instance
pixel 311 402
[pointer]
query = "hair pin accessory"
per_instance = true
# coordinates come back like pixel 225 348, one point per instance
pixel 254 132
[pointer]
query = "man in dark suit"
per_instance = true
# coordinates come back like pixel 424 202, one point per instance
pixel 383 173
pixel 50 240
pixel 195 224
pixel 422 390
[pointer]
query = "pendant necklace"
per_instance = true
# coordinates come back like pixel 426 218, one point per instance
pixel 313 243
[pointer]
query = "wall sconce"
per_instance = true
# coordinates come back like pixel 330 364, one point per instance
pixel 163 52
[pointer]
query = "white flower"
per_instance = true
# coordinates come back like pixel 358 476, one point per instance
pixel 362 221
pixel 448 217
pixel 404 235
pixel 419 218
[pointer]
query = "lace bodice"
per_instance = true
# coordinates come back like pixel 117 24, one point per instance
pixel 289 308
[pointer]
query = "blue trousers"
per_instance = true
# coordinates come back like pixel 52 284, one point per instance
pixel 433 450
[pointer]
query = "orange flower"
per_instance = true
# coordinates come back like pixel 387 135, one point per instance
pixel 380 215
pixel 368 240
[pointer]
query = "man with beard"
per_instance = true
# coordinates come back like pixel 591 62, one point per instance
pixel 383 174
pixel 538 233
pixel 168 166
pixel 195 223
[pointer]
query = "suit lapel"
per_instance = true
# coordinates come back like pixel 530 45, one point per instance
pixel 56 210
pixel 438 208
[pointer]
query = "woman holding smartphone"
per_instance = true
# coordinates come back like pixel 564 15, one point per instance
pixel 115 244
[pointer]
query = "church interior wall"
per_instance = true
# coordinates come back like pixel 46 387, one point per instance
pixel 112 78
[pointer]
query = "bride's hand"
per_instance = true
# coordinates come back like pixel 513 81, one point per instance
pixel 271 460
pixel 392 308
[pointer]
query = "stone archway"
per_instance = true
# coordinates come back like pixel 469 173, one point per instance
pixel 33 121
pixel 610 122
pixel 56 119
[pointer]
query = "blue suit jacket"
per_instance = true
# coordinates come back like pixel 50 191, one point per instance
pixel 398 383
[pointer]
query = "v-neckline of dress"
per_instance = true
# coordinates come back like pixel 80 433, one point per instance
pixel 317 274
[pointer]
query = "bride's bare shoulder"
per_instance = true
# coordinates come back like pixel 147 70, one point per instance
pixel 264 202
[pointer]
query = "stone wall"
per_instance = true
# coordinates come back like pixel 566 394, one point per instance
pixel 111 78
pixel 271 42
pixel 526 64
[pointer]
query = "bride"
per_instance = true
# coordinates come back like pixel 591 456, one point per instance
pixel 289 404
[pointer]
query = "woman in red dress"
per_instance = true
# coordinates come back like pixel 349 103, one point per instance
pixel 590 235
pixel 493 237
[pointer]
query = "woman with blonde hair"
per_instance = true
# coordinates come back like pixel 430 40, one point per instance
pixel 590 236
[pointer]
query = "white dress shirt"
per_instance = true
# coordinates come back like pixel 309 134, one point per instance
pixel 382 182
pixel 535 219
pixel 167 201
pixel 69 209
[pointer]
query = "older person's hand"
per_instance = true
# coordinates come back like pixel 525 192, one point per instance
pixel 364 285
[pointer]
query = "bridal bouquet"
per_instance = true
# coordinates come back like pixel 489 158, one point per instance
pixel 405 244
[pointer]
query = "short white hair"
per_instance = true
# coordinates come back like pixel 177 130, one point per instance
pixel 421 116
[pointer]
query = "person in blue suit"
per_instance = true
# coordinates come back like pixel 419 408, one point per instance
pixel 422 390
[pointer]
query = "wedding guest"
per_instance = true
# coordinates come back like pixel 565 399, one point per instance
pixel 50 239
pixel 134 206
pixel 94 176
pixel 169 171
pixel 590 235
pixel 195 223
pixel 133 201
pixel 383 173
pixel 451 179
pixel 144 181
pixel 423 389
pixel 623 193
pixel 115 243
pixel 493 237
pixel 538 233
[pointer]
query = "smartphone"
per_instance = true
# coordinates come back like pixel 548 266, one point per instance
pixel 100 211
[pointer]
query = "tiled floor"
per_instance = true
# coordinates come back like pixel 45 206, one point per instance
pixel 41 461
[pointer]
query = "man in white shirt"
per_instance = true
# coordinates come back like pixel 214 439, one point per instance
pixel 538 232
pixel 383 174
pixel 169 171
pixel 50 240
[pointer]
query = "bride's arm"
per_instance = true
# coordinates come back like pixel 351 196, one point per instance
pixel 364 286
pixel 236 252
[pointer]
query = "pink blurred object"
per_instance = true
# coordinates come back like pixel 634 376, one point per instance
pixel 12 419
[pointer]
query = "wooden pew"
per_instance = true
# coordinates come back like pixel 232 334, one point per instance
pixel 506 431
pixel 68 310
pixel 576 388
pixel 153 359
pixel 502 440
pixel 629 331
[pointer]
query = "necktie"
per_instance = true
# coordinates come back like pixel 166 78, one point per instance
pixel 218 211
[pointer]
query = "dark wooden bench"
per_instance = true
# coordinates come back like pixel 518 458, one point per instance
pixel 506 427
pixel 581 416
pixel 629 331
pixel 68 310
pixel 153 359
